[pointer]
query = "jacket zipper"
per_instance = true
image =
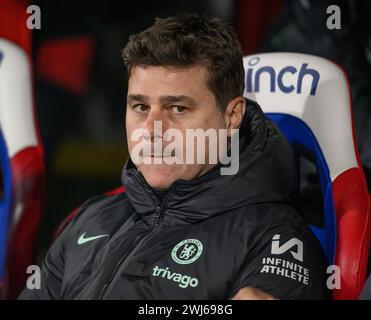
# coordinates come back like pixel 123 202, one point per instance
pixel 120 262
pixel 160 208
pixel 155 222
pixel 156 218
pixel 156 215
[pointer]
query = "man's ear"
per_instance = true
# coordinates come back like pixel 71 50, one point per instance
pixel 234 113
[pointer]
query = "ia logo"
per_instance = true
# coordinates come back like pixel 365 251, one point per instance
pixel 293 243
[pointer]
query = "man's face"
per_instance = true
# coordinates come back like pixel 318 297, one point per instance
pixel 180 99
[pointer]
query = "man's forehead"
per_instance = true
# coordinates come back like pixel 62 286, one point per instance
pixel 168 75
pixel 167 84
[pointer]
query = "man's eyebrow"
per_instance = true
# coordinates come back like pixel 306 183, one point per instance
pixel 138 97
pixel 176 99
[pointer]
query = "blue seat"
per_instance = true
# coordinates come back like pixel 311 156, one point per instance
pixel 308 98
pixel 5 206
pixel 22 167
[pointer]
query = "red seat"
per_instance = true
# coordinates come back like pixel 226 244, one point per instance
pixel 20 225
pixel 309 99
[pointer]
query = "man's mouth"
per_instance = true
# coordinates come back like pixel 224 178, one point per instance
pixel 160 155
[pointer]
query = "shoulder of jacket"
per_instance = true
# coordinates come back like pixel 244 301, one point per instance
pixel 100 206
pixel 262 217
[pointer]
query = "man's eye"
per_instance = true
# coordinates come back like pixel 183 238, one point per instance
pixel 179 109
pixel 142 108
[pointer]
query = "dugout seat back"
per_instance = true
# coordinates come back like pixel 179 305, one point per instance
pixel 308 97
pixel 21 153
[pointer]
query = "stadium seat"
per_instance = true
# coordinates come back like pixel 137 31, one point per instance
pixel 21 152
pixel 309 99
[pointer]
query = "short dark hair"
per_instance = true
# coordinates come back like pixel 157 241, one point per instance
pixel 186 40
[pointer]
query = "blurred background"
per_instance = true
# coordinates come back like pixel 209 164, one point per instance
pixel 80 81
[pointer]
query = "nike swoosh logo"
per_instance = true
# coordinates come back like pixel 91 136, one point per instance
pixel 83 240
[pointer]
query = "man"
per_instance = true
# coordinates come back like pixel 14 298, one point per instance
pixel 366 292
pixel 183 229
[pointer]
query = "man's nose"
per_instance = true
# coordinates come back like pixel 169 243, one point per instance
pixel 155 123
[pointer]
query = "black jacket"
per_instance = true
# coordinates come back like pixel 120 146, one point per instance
pixel 366 292
pixel 206 239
